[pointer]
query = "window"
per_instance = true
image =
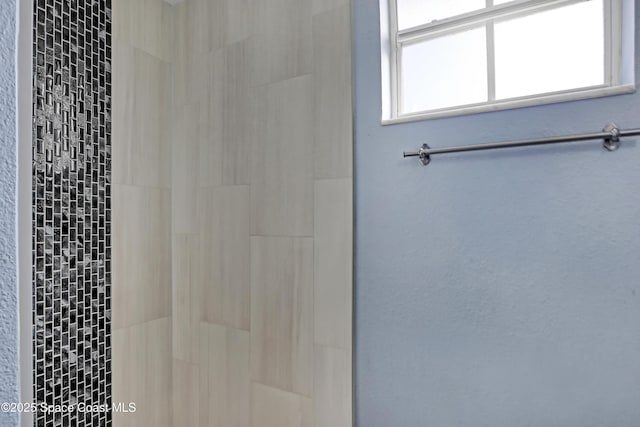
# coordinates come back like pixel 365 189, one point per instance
pixel 443 57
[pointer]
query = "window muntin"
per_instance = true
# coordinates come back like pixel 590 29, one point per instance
pixel 572 51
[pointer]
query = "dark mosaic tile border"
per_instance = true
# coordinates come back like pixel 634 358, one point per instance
pixel 71 209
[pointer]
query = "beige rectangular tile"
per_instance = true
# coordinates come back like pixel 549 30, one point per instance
pixel 281 41
pixel 141 365
pixel 282 313
pixel 186 394
pixel 121 20
pixel 186 139
pixel 238 378
pixel 281 173
pixel 157 368
pixel 141 124
pixel 225 382
pixel 123 100
pixel 210 158
pixel 213 365
pixel 224 251
pixel 271 407
pixel 186 299
pixel 151 121
pixel 332 390
pixel 201 24
pixel 191 52
pixel 127 381
pixel 333 259
pixel 217 23
pixel 236 118
pixel 258 116
pixel 230 112
pixel 333 134
pixel 181 55
pixel 197 77
pixel 145 24
pixel 141 233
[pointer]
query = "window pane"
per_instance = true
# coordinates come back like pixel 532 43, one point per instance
pixel 417 12
pixel 445 71
pixel 550 51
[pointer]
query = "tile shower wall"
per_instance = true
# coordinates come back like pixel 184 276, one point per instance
pixel 262 213
pixel 142 58
pixel 71 209
pixel 232 212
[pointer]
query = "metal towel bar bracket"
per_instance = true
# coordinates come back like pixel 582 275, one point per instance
pixel 610 135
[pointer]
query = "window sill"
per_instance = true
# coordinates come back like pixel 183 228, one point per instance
pixel 553 98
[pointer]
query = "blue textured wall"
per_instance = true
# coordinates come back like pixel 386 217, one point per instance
pixel 8 171
pixel 496 288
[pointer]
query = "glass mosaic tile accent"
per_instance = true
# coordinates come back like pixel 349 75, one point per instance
pixel 71 210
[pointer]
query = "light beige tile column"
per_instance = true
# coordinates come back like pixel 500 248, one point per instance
pixel 141 211
pixel 186 394
pixel 282 173
pixel 333 386
pixel 224 376
pixel 333 132
pixel 223 255
pixel 185 168
pixel 142 373
pixel 282 313
pixel 333 245
pixel 230 113
pixel 141 258
pixel 186 299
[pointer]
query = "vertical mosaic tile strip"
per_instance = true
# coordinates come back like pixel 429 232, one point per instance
pixel 71 210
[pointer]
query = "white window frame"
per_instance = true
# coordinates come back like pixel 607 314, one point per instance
pixel 392 59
